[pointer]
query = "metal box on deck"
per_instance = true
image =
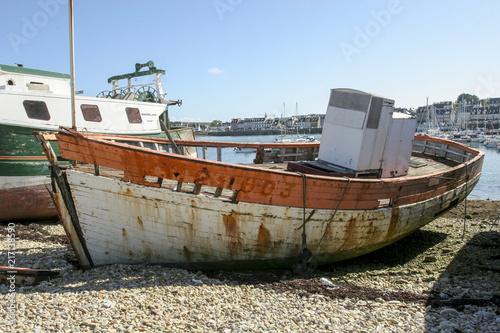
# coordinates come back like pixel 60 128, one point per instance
pixel 362 134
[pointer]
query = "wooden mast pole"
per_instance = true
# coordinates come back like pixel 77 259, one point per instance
pixel 72 65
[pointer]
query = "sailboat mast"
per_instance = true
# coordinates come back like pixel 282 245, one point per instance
pixel 72 65
pixel 484 113
pixel 297 114
pixel 428 115
pixel 284 117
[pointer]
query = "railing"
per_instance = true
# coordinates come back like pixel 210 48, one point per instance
pixel 265 152
pixel 288 152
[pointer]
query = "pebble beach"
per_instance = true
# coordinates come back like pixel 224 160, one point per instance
pixel 443 278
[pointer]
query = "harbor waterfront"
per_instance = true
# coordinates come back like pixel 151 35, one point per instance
pixel 488 187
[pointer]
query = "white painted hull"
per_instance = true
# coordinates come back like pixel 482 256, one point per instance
pixel 114 119
pixel 123 222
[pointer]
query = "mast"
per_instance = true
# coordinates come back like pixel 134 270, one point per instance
pixel 72 65
pixel 477 117
pixel 484 112
pixel 284 117
pixel 428 116
pixel 297 114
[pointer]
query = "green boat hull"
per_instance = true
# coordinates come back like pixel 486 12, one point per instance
pixel 22 160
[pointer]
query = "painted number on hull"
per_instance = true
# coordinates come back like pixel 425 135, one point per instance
pixel 288 190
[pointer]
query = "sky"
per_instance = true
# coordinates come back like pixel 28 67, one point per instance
pixel 246 58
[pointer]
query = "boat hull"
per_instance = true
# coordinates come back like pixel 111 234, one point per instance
pixel 161 226
pixel 24 176
pixel 136 204
pixel 29 199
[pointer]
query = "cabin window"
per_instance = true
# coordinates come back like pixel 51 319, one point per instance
pixel 10 82
pixel 134 116
pixel 36 110
pixel 91 113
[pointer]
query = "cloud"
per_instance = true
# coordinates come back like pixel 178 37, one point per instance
pixel 215 70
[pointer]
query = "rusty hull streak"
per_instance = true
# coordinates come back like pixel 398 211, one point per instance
pixel 234 241
pixel 350 234
pixel 393 224
pixel 264 237
pixel 187 253
pixel 141 224
pixel 148 253
pixel 230 225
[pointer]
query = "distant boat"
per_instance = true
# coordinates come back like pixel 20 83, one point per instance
pixel 38 100
pixel 298 139
pixel 125 203
pixel 284 138
pixel 491 143
pixel 244 150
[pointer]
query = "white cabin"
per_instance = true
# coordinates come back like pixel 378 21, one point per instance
pixel 38 99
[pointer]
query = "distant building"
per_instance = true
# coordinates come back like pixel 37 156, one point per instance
pixel 315 121
pixel 493 101
pixel 234 124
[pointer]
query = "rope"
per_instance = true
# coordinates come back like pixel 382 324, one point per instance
pixel 495 222
pixel 465 201
pixel 303 262
pixel 304 195
pixel 331 219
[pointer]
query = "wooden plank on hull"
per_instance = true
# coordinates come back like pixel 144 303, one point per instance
pixel 70 230
pixel 23 276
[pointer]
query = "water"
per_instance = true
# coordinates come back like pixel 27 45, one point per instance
pixel 488 186
pixel 228 154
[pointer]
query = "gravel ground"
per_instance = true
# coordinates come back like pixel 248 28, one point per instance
pixel 443 278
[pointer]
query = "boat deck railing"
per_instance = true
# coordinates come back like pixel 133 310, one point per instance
pixel 285 152
pixel 445 149
pixel 264 152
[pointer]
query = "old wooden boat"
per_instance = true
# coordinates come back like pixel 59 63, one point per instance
pixel 38 100
pixel 131 203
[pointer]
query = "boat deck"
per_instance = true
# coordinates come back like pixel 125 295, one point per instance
pixel 421 165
